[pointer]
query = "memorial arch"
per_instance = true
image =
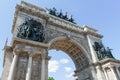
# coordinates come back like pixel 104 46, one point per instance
pixel 36 30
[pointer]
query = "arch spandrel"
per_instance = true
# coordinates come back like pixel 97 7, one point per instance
pixel 75 51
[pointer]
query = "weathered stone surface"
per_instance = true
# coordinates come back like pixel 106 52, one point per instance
pixel 21 68
pixel 36 68
pixel 77 41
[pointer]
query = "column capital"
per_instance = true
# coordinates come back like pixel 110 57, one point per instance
pixel 99 67
pixel 16 50
pixel 43 55
pixel 15 53
pixel 30 53
pixel 48 57
pixel 112 66
pixel 106 68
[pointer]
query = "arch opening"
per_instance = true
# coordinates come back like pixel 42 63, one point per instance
pixel 73 50
pixel 60 64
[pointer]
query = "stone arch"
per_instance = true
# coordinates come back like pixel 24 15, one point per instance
pixel 73 49
pixel 76 41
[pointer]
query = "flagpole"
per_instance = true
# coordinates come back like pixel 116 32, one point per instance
pixel 6 43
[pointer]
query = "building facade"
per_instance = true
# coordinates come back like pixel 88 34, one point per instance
pixel 36 30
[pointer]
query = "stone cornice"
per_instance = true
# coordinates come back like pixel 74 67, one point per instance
pixel 102 62
pixel 109 60
pixel 19 8
pixel 28 42
pixel 91 31
pixel 94 34
pixel 31 6
pixel 58 22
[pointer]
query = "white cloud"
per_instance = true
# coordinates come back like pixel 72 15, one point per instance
pixel 67 69
pixel 64 61
pixel 69 75
pixel 53 66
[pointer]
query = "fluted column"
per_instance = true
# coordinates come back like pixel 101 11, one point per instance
pixel 106 76
pixel 29 69
pixel 13 66
pixel 93 73
pixel 43 67
pixel 118 72
pixel 114 73
pixel 46 67
pixel 100 74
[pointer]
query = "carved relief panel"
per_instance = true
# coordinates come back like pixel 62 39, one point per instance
pixel 31 30
pixel 101 51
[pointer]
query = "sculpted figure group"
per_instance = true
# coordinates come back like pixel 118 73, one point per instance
pixel 31 30
pixel 102 53
pixel 61 15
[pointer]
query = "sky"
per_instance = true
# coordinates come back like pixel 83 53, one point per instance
pixel 103 15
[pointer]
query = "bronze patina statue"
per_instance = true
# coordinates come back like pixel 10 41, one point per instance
pixel 101 52
pixel 31 30
pixel 60 15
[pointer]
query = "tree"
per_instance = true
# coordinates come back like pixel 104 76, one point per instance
pixel 50 78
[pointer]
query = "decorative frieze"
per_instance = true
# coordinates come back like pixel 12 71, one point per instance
pixel 31 30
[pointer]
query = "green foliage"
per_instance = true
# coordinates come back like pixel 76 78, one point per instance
pixel 50 78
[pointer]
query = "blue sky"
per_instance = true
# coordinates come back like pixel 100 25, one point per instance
pixel 103 15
